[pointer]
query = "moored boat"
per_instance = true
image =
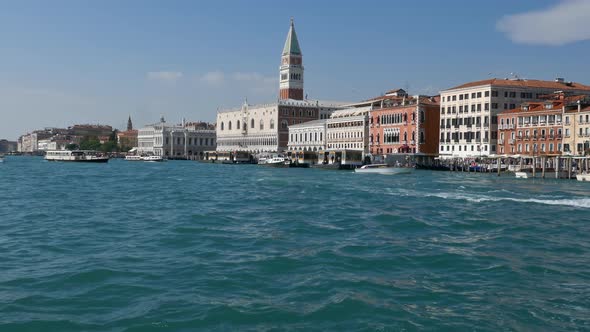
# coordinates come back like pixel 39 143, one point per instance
pixel 76 156
pixel 384 169
pixel 583 177
pixel 274 162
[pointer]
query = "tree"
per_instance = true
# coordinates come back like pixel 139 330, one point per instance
pixel 90 143
pixel 72 146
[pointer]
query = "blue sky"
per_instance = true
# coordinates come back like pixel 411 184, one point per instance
pixel 78 61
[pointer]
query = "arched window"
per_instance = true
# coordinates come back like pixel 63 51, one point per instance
pixel 229 125
pixel 272 124
pixel 238 124
pixel 284 124
pixel 261 124
pixel 221 125
pixel 252 123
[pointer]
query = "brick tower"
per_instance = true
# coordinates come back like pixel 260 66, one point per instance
pixel 291 83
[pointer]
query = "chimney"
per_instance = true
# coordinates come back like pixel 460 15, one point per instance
pixel 579 106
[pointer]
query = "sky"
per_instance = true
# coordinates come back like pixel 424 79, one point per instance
pixel 65 62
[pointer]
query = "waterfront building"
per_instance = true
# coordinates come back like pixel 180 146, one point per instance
pixel 576 128
pixel 469 123
pixel 347 136
pixel 29 142
pixel 89 130
pixel 177 141
pixel 265 128
pixel 404 124
pixel 7 146
pixel 533 128
pixel 308 136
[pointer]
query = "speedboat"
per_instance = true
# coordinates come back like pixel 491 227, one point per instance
pixel 152 159
pixel 274 162
pixel 384 169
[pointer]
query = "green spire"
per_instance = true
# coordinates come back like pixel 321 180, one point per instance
pixel 292 44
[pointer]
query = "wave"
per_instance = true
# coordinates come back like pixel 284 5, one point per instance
pixel 572 202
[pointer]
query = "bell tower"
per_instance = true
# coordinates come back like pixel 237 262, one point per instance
pixel 291 70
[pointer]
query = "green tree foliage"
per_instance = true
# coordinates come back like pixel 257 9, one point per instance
pixel 90 143
pixel 72 147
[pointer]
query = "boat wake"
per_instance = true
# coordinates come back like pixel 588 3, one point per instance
pixel 573 202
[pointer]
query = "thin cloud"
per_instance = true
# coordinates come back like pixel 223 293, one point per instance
pixel 164 76
pixel 564 23
pixel 214 78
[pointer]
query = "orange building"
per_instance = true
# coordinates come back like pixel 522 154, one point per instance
pixel 534 128
pixel 404 124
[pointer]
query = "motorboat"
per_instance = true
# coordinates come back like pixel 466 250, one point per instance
pixel 152 159
pixel 148 158
pixel 583 177
pixel 277 161
pixel 384 169
pixel 76 156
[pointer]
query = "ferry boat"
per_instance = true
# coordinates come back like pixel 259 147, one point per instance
pixel 76 156
pixel 384 169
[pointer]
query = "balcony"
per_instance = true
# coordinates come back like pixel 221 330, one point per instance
pixel 501 141
pixel 478 125
pixel 486 125
pixel 486 140
pixel 511 141
pixel 412 142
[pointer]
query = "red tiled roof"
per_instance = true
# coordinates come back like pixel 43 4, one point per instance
pixel 526 83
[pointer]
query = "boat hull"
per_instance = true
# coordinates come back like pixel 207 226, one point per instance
pixel 385 170
pixel 583 177
pixel 101 160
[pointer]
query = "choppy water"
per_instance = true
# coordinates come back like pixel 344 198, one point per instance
pixel 182 246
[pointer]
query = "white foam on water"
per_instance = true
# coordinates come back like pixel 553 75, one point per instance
pixel 573 202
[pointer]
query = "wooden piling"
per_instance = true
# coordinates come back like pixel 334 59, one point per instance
pixel 544 161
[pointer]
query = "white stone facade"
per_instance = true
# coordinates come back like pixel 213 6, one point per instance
pixel 265 128
pixel 308 136
pixel 175 141
pixel 348 129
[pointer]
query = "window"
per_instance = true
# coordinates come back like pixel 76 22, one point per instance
pixel 252 123
pixel 494 93
pixel 487 106
pixel 479 95
pixel 284 124
pixel 238 124
pixel 487 93
pixel 229 125
pixel 272 124
pixel 221 129
pixel 473 95
pixel 261 124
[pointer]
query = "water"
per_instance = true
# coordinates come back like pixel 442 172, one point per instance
pixel 182 246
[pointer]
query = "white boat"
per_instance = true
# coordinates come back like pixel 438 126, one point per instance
pixel 133 157
pixel 152 158
pixel 583 177
pixel 76 156
pixel 1 159
pixel 274 161
pixel 149 158
pixel 522 175
pixel 384 169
